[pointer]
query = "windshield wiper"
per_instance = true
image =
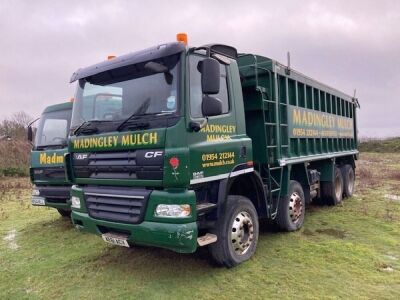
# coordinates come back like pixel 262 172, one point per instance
pixel 140 125
pixel 139 111
pixel 86 127
pixel 50 146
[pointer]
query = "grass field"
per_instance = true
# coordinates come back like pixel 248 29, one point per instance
pixel 350 251
pixel 390 145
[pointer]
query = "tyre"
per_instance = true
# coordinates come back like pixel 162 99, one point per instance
pixel 348 180
pixel 237 232
pixel 64 213
pixel 291 209
pixel 332 192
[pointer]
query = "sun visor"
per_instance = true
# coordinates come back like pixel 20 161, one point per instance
pixel 129 59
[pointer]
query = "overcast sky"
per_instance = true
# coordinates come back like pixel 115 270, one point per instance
pixel 345 44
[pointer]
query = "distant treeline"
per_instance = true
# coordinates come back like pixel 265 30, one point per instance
pixel 390 145
pixel 14 147
pixel 14 158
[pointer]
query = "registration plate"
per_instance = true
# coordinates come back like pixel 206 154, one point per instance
pixel 38 200
pixel 116 239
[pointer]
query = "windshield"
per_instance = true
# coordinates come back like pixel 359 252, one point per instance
pixel 117 95
pixel 53 129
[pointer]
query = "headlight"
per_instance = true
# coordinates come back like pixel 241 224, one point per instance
pixel 172 210
pixel 75 202
pixel 35 192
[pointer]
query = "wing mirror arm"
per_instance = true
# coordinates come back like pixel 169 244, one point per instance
pixel 197 126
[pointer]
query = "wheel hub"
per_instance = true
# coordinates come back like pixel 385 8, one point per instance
pixel 295 207
pixel 338 187
pixel 351 181
pixel 242 233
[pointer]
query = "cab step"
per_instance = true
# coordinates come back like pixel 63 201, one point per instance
pixel 205 207
pixel 206 239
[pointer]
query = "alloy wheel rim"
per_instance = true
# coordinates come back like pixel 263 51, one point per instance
pixel 351 181
pixel 242 233
pixel 338 188
pixel 295 207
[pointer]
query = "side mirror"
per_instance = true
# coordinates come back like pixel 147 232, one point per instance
pixel 30 134
pixel 211 106
pixel 210 75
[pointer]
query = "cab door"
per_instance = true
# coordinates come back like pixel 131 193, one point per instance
pixel 215 150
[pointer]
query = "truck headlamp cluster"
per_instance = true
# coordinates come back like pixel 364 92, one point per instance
pixel 35 191
pixel 75 202
pixel 173 210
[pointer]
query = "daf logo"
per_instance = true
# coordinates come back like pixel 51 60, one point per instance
pixel 81 156
pixel 153 154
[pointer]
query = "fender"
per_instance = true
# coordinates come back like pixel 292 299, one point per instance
pixel 226 184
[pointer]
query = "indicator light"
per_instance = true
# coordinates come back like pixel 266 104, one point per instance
pixel 75 202
pixel 182 37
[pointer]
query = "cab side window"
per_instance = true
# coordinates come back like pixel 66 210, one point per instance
pixel 54 130
pixel 195 88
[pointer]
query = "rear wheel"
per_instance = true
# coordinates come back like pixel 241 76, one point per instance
pixel 64 213
pixel 348 180
pixel 237 232
pixel 291 210
pixel 332 191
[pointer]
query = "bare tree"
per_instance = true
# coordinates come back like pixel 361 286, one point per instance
pixel 15 126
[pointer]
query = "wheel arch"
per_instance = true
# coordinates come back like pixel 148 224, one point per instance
pixel 299 173
pixel 249 185
pixel 346 160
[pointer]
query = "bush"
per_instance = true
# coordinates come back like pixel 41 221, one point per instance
pixel 14 158
pixel 381 146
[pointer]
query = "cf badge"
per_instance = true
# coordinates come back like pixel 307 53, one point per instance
pixel 153 154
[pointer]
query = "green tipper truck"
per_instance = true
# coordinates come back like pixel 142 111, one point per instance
pixel 200 144
pixel 47 170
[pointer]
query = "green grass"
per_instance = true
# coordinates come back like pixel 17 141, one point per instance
pixel 350 251
pixel 391 145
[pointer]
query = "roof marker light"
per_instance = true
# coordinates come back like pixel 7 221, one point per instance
pixel 182 37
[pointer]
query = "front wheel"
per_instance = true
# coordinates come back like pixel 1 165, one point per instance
pixel 237 232
pixel 291 209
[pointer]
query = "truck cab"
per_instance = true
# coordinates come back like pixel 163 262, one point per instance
pixel 180 147
pixel 47 172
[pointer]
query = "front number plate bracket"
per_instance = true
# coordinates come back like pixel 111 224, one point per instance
pixel 116 239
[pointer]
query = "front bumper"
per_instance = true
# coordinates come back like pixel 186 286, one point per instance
pixel 180 238
pixel 56 196
pixel 97 205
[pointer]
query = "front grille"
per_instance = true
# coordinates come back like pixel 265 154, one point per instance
pixel 43 174
pixel 119 204
pixel 55 194
pixel 118 165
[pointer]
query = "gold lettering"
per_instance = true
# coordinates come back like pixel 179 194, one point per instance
pixel 153 138
pixel 42 158
pixel 296 116
pixel 125 140
pixel 145 138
